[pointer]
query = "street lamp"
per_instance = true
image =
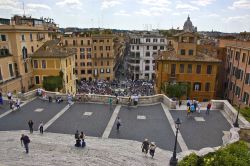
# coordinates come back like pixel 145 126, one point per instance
pixel 174 160
pixel 236 123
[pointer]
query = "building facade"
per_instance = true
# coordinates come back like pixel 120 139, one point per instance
pixel 51 59
pixel 143 47
pixel 18 41
pixel 182 63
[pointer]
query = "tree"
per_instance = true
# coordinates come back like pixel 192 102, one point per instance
pixel 176 90
pixel 51 83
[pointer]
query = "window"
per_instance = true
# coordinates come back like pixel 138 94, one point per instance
pixel 107 55
pixel 243 57
pixel 76 71
pixel 37 79
pixel 82 71
pixel 161 47
pixel 101 63
pixel 209 69
pixel 24 51
pixel 25 67
pixel 147 68
pixel 101 48
pixel 67 78
pixel 82 56
pixel 35 63
pixel 245 98
pixel 11 70
pixel 147 40
pixel 108 70
pixel 81 42
pixel 101 55
pixel 74 42
pixel 207 86
pixel 3 38
pixel 82 49
pixel 198 69
pixel 237 91
pixel 137 47
pixel 147 61
pixel 153 61
pixel 197 86
pixel 88 42
pixel 89 55
pixel 82 64
pixel 132 47
pixel 155 40
pixel 31 38
pixel 247 79
pixel 147 47
pixel 190 52
pixel 94 47
pixel 148 54
pixel 76 64
pixel 101 70
pixel 89 71
pixel 95 63
pixel 162 40
pixel 44 64
pixel 154 47
pixel 89 64
pixel 237 56
pixel 189 68
pixel 32 49
pixel 182 68
pixel 107 63
pixel 183 52
pixel 23 37
pixel 66 42
pixel 1 76
pixel 89 49
pixel 107 47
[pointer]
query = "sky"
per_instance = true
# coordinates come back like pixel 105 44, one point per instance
pixel 207 15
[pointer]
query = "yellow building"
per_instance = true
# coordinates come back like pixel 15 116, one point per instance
pixel 181 63
pixel 52 58
pixel 97 53
pixel 20 38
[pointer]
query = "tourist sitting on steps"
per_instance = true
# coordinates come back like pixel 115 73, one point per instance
pixel 78 142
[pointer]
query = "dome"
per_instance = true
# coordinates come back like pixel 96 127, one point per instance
pixel 188 25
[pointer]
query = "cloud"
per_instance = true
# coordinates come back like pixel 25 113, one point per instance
pixel 153 11
pixel 110 3
pixel 12 6
pixel 159 3
pixel 122 13
pixel 202 2
pixel 187 7
pixel 36 6
pixel 70 3
pixel 240 4
pixel 213 15
pixel 243 18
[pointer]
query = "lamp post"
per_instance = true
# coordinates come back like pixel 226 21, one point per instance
pixel 174 160
pixel 236 123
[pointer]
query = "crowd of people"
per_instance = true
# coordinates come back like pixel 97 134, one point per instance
pixel 115 87
pixel 194 105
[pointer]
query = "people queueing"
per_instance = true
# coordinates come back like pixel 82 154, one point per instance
pixel 145 146
pixel 30 123
pixel 152 148
pixel 208 108
pixel 118 123
pixel 40 128
pixel 25 141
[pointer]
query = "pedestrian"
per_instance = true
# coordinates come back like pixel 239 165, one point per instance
pixel 40 128
pixel 82 137
pixel 25 141
pixel 179 103
pixel 30 123
pixel 1 98
pixel 12 106
pixel 199 107
pixel 76 134
pixel 78 142
pixel 18 103
pixel 145 146
pixel 118 123
pixel 110 103
pixel 152 149
pixel 192 108
pixel 188 111
pixel 9 95
pixel 208 108
pixel 195 105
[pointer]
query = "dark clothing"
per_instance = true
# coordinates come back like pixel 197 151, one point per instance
pixel 76 135
pixel 30 126
pixel 83 143
pixel 152 152
pixel 145 146
pixel 118 126
pixel 41 129
pixel 78 143
pixel 25 140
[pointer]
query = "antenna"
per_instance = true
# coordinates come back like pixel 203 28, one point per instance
pixel 23 10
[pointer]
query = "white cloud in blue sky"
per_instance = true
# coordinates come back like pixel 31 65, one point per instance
pixel 222 15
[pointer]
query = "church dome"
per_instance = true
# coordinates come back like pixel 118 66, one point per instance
pixel 188 25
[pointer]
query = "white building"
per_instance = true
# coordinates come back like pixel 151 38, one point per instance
pixel 141 63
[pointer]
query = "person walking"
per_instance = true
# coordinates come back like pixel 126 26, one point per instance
pixel 179 103
pixel 208 108
pixel 82 137
pixel 145 146
pixel 1 98
pixel 30 123
pixel 18 102
pixel 25 141
pixel 40 128
pixel 118 123
pixel 199 107
pixel 188 111
pixel 195 105
pixel 152 149
pixel 9 95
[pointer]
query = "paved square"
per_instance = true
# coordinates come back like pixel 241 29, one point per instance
pixel 74 119
pixel 38 110
pixel 155 127
pixel 88 113
pixel 18 120
pixel 198 134
pixel 199 119
pixel 5 107
pixel 141 117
